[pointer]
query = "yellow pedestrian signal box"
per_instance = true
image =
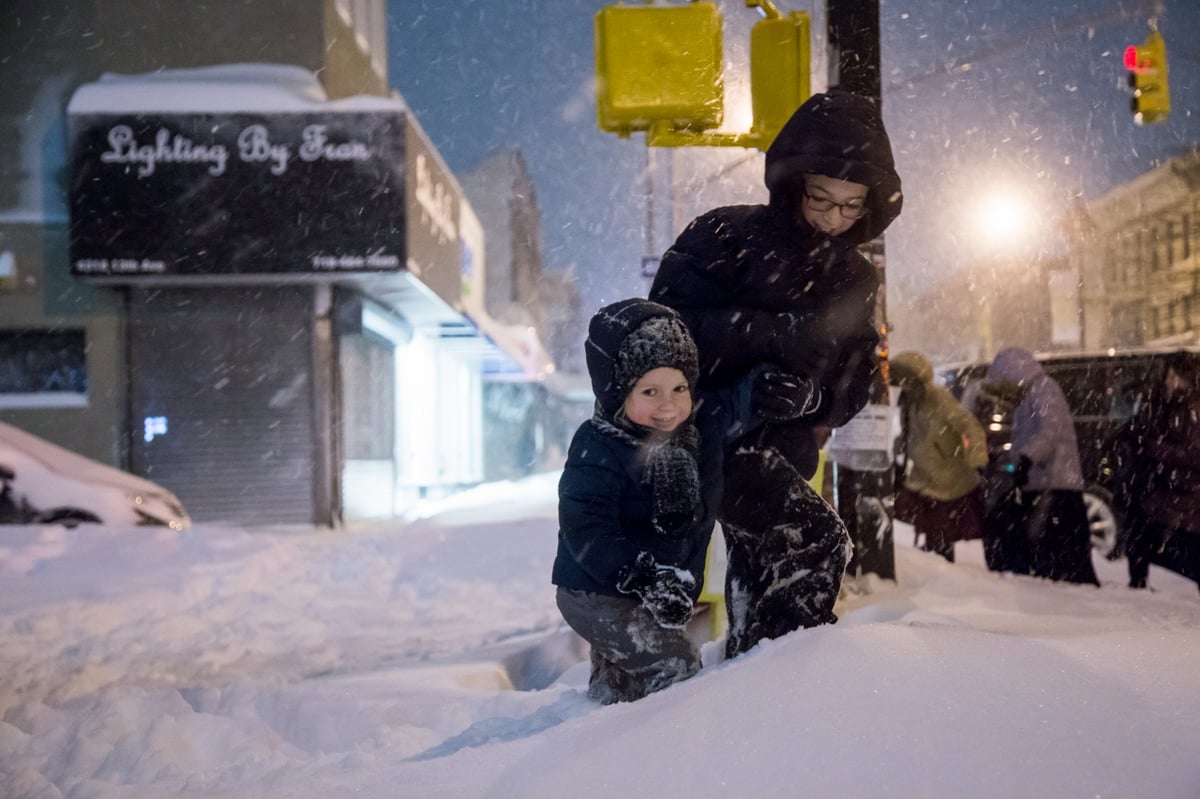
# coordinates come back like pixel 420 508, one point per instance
pixel 1147 65
pixel 659 63
pixel 780 72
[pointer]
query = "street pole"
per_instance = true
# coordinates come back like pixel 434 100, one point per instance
pixel 865 497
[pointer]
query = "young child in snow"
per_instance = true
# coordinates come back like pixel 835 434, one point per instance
pixel 637 501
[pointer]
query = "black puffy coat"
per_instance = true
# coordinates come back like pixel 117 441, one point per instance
pixel 605 509
pixel 755 283
pixel 1158 464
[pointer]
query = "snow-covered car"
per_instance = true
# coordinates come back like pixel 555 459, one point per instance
pixel 1103 390
pixel 42 482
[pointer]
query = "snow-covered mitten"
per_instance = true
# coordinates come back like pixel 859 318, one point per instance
pixel 782 396
pixel 663 590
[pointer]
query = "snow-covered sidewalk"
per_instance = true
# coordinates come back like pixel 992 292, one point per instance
pixel 427 659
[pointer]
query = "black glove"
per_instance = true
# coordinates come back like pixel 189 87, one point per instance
pixel 1021 471
pixel 663 590
pixel 782 396
pixel 803 346
pixel 1017 468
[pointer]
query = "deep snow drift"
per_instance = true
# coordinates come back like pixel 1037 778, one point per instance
pixel 427 660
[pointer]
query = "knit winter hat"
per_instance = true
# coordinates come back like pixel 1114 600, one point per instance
pixel 629 338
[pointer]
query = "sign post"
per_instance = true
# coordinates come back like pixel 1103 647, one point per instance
pixel 865 488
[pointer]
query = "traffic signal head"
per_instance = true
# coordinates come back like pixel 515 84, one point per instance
pixel 1147 66
pixel 659 64
pixel 780 62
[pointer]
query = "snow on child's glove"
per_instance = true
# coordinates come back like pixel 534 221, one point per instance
pixel 781 396
pixel 663 590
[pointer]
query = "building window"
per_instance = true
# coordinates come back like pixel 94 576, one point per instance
pixel 43 368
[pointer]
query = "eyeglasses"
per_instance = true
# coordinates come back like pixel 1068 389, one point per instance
pixel 856 209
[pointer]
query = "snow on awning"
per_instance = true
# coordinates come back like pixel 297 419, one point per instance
pixel 526 359
pixel 225 88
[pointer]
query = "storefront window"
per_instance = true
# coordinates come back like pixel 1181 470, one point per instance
pixel 43 368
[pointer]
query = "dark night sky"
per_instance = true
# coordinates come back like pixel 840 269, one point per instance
pixel 1043 108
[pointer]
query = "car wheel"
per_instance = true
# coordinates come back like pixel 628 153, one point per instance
pixel 1102 522
pixel 68 517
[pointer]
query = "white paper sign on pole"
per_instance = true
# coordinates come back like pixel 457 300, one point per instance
pixel 865 442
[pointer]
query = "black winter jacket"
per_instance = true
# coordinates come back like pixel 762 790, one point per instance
pixel 756 284
pixel 736 272
pixel 1158 460
pixel 605 510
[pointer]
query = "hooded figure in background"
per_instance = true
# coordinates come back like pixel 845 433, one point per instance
pixel 783 285
pixel 1038 523
pixel 944 447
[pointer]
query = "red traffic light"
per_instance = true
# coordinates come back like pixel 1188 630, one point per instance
pixel 1131 57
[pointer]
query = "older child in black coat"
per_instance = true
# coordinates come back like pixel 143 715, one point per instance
pixel 638 499
pixel 783 285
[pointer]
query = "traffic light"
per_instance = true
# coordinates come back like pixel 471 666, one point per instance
pixel 779 72
pixel 659 64
pixel 1147 65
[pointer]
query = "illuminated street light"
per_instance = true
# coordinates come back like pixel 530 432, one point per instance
pixel 1004 220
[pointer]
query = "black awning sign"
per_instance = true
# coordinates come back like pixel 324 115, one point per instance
pixel 123 148
pixel 212 194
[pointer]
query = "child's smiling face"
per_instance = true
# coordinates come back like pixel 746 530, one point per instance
pixel 832 206
pixel 661 400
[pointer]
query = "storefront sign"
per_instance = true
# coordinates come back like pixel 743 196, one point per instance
pixel 245 194
pixel 434 200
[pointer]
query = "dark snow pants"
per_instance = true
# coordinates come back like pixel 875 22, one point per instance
pixel 1061 535
pixel 1149 542
pixel 631 654
pixel 1042 533
pixel 786 549
pixel 1006 543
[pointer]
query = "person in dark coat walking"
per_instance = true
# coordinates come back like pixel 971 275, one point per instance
pixel 1158 476
pixel 1039 524
pixel 638 499
pixel 783 285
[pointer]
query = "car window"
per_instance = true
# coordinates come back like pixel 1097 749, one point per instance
pixel 1088 387
pixel 1132 381
pixel 958 380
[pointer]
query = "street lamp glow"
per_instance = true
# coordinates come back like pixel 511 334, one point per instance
pixel 1004 216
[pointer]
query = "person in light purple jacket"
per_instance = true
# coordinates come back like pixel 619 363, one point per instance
pixel 1039 526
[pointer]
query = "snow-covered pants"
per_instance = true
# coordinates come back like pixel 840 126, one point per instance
pixel 631 654
pixel 786 549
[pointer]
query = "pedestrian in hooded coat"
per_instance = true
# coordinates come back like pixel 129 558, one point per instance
pixel 638 499
pixel 783 285
pixel 1039 524
pixel 944 448
pixel 1157 480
